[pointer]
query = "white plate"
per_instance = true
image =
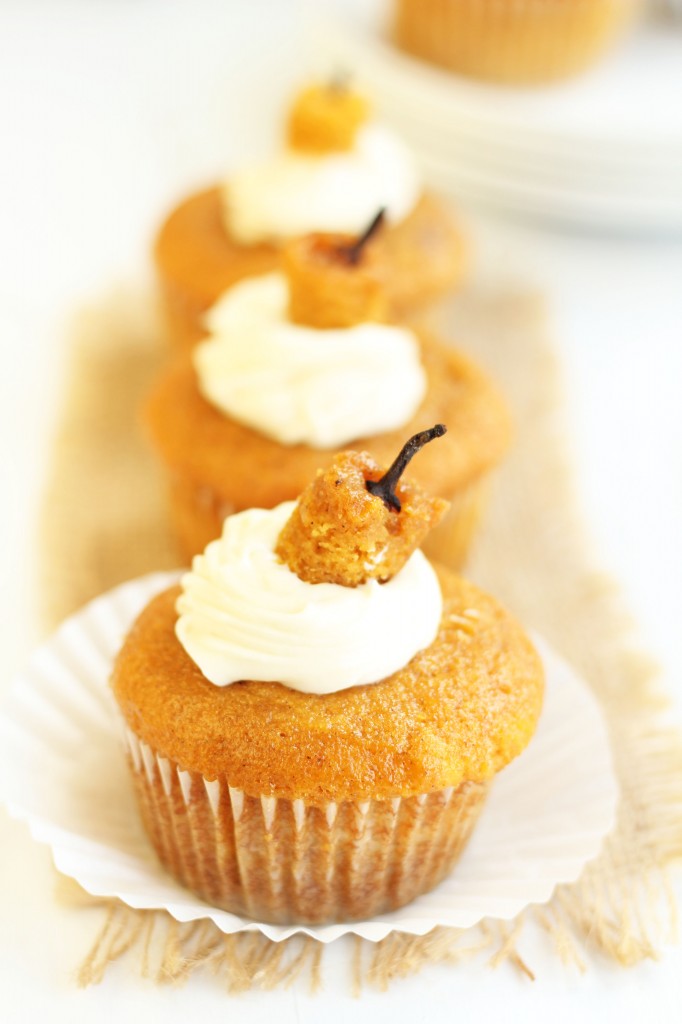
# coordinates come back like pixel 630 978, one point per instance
pixel 637 170
pixel 64 773
pixel 553 203
pixel 609 105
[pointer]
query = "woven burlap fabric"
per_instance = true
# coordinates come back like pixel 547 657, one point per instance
pixel 105 522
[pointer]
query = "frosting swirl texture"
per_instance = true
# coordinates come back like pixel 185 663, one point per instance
pixel 243 615
pixel 305 385
pixel 296 193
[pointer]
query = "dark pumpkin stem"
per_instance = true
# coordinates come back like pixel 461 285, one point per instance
pixel 385 487
pixel 354 252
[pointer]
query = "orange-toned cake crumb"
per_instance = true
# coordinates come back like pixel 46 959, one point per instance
pixel 335 280
pixel 340 532
pixel 326 118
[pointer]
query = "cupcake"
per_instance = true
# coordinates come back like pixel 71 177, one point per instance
pixel 338 166
pixel 315 715
pixel 301 363
pixel 514 41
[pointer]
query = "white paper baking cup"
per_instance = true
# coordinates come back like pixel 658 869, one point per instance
pixel 63 771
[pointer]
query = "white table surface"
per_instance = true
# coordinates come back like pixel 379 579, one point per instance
pixel 110 110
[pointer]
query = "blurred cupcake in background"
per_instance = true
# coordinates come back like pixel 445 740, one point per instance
pixel 337 167
pixel 298 364
pixel 513 41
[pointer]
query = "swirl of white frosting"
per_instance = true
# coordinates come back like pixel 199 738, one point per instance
pixel 304 385
pixel 243 614
pixel 296 193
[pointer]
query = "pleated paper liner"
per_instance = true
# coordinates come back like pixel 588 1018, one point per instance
pixel 279 860
pixel 285 862
pixel 105 522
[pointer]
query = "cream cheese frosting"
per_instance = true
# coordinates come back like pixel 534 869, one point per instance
pixel 243 614
pixel 296 193
pixel 305 385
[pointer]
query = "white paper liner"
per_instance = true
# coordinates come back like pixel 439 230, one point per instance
pixel 63 771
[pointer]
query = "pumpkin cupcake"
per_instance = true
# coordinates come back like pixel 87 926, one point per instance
pixel 315 715
pixel 513 41
pixel 298 364
pixel 338 166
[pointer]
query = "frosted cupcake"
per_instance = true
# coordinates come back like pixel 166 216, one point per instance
pixel 338 167
pixel 314 717
pixel 515 41
pixel 297 366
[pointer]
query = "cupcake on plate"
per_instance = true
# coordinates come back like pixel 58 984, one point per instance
pixel 301 363
pixel 338 166
pixel 315 715
pixel 514 41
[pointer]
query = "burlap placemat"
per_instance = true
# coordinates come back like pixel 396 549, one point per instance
pixel 105 523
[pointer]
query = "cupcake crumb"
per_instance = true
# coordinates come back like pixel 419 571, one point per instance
pixel 341 533
pixel 326 119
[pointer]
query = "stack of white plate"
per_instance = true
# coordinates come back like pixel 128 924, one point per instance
pixel 604 149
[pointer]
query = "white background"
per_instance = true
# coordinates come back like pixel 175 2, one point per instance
pixel 109 111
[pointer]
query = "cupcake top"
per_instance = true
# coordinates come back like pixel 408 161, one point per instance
pixel 321 594
pixel 461 699
pixel 245 467
pixel 302 355
pixel 460 709
pixel 337 167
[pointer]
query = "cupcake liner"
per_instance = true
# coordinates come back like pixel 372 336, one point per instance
pixel 64 772
pixel 515 41
pixel 197 514
pixel 286 861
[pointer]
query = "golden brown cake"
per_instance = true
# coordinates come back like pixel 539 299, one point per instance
pixel 198 255
pixel 286 805
pixel 514 41
pixel 216 466
pixel 332 282
pixel 334 531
